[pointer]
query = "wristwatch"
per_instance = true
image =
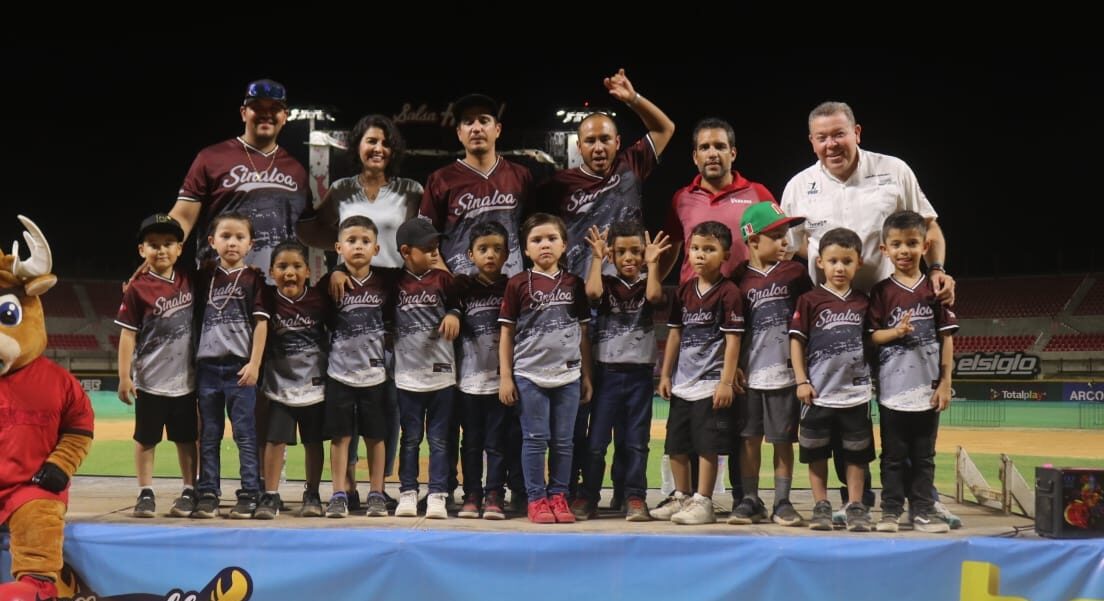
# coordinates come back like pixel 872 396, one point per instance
pixel 937 267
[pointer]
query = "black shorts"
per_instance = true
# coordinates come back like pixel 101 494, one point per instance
pixel 695 427
pixel 357 410
pixel 282 420
pixel 850 425
pixel 772 414
pixel 153 414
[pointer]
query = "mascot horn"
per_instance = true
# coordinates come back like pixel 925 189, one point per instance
pixel 45 425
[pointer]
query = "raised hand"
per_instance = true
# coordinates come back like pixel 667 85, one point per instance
pixel 597 241
pixel 654 248
pixel 620 87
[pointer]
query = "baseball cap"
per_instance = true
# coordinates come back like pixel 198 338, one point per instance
pixel 474 100
pixel 416 232
pixel 764 216
pixel 265 88
pixel 162 224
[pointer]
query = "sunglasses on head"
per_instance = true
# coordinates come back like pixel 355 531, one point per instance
pixel 266 89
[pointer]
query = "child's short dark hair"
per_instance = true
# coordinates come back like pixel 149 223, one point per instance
pixel 716 229
pixel 626 229
pixel 286 246
pixel 905 220
pixel 539 219
pixel 229 216
pixel 486 228
pixel 357 221
pixel 843 238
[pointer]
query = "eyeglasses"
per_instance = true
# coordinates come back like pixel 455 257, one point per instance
pixel 265 88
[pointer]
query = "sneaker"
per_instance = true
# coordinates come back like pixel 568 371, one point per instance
pixel 636 510
pixel 268 507
pixel 450 502
pixel 390 501
pixel 904 522
pixel 670 506
pixel 858 517
pixel 312 505
pixel 338 507
pixel 822 516
pixel 354 500
pixel 560 510
pixel 246 505
pixel 540 512
pixel 145 506
pixel 889 520
pixel 751 510
pixel 698 510
pixel 932 523
pixel 437 506
pixel 185 504
pixel 408 504
pixel 584 509
pixel 207 506
pixel 952 520
pixel 784 514
pixel 519 502
pixel 617 501
pixel 470 508
pixel 492 506
pixel 839 518
pixel 377 505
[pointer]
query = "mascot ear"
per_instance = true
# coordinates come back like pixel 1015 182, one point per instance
pixel 39 285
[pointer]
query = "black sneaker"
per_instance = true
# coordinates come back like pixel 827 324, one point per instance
pixel 185 504
pixel 391 502
pixel 377 505
pixel 751 510
pixel 617 501
pixel 268 508
pixel 354 500
pixel 338 506
pixel 246 505
pixel 822 516
pixel 785 514
pixel 519 503
pixel 858 518
pixel 312 505
pixel 207 506
pixel 145 506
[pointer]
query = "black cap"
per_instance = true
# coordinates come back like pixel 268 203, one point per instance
pixel 265 89
pixel 474 100
pixel 161 224
pixel 416 232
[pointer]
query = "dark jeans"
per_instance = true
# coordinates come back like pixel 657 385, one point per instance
pixel 486 423
pixel 424 413
pixel 547 421
pixel 622 404
pixel 219 395
pixel 908 459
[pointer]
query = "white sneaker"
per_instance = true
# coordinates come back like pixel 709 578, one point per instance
pixel 674 504
pixel 698 510
pixel 435 506
pixel 408 504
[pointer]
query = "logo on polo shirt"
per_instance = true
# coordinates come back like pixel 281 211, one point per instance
pixel 812 189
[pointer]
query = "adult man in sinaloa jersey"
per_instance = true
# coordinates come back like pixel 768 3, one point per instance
pixel 250 174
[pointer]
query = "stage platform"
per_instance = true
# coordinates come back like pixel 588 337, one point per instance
pixel 119 557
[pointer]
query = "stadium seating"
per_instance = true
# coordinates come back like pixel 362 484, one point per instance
pixel 1093 303
pixel 61 302
pixel 105 296
pixel 1014 297
pixel 72 342
pixel 1075 343
pixel 992 344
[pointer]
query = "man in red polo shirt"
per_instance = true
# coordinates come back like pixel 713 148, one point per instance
pixel 717 193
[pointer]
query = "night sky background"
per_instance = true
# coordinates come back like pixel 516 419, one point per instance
pixel 1002 142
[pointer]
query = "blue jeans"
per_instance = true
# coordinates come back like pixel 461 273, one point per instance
pixel 219 395
pixel 486 423
pixel 425 413
pixel 622 401
pixel 547 422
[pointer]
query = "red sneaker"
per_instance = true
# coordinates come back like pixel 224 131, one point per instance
pixel 561 510
pixel 540 512
pixel 29 588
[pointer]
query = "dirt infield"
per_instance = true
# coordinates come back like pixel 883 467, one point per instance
pixel 1028 442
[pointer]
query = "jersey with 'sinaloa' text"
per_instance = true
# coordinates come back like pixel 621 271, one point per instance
pixel 480 302
pixel 459 196
pixel 357 329
pixel 831 325
pixel 424 360
pixel 908 368
pixel 770 296
pixel 295 361
pixel 703 320
pixel 233 300
pixel 546 311
pixel 160 310
pixel 624 330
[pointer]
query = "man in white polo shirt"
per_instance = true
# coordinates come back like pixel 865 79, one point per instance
pixel 857 189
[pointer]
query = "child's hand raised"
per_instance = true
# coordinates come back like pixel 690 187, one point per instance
pixel 597 241
pixel 654 248
pixel 904 328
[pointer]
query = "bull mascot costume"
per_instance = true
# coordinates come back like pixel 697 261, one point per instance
pixel 45 425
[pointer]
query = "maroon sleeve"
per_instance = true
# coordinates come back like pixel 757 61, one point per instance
pixel 434 201
pixel 875 313
pixel 733 306
pixel 674 316
pixel 800 323
pixel 77 416
pixel 260 305
pixel 461 291
pixel 449 292
pixel 945 319
pixel 641 158
pixel 130 310
pixel 582 304
pixel 195 186
pixel 511 301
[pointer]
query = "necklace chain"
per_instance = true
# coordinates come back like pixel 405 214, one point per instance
pixel 249 157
